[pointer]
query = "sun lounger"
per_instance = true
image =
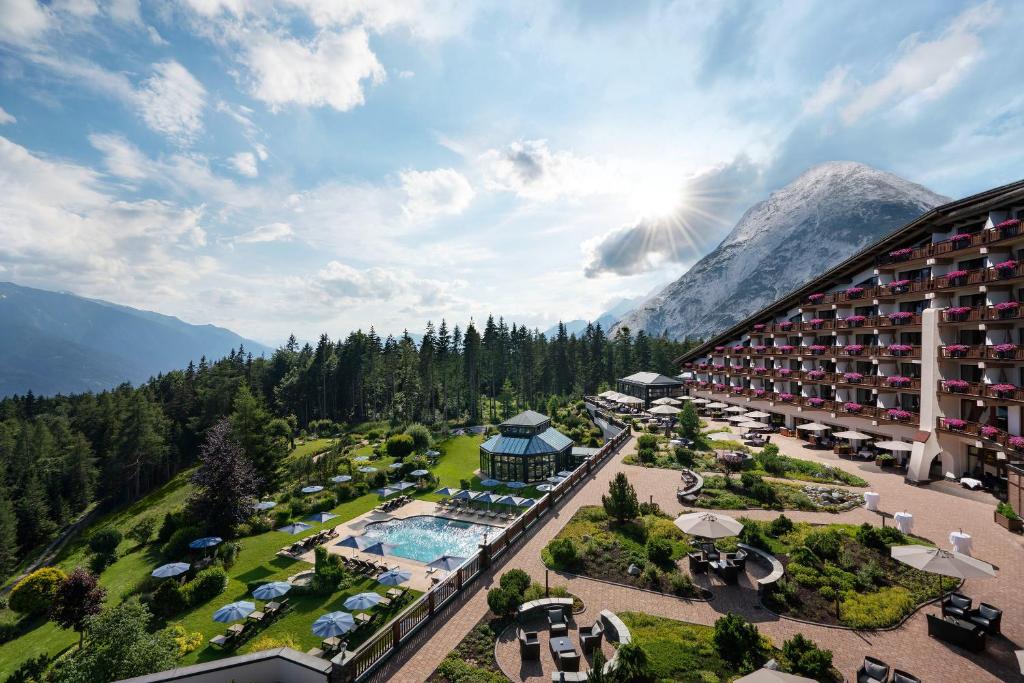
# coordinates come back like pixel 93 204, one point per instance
pixel 221 641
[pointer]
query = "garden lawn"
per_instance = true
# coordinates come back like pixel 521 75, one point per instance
pixel 678 651
pixel 460 460
pixel 257 561
pixel 311 447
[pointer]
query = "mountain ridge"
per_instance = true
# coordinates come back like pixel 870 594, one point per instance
pixel 828 213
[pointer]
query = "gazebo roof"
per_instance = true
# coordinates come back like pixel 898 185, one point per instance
pixel 549 441
pixel 651 378
pixel 527 418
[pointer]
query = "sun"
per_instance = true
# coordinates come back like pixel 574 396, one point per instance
pixel 656 197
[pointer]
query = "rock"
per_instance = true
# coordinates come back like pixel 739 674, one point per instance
pixel 633 570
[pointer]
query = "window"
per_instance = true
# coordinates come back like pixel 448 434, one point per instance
pixel 915 274
pixel 972 373
pixel 972 337
pixel 866 311
pixel 971 264
pixel 914 306
pixel 971 300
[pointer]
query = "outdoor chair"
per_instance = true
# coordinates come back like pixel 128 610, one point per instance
pixel 989 618
pixel 569 661
pixel 556 620
pixel 729 571
pixel 961 632
pixel 698 563
pixel 591 638
pixel 221 641
pixel 529 645
pixel 873 671
pixel 739 558
pixel 903 677
pixel 711 552
pixel 956 605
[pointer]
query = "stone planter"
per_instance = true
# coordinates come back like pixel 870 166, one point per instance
pixel 1014 525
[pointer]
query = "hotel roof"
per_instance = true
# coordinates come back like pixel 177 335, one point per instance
pixel 549 441
pixel 650 378
pixel 527 418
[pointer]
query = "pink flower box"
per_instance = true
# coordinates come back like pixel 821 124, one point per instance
pixel 898 286
pixel 785 325
pixel 954 423
pixel 854 377
pixel 815 298
pixel 854 292
pixel 816 349
pixel 718 367
pixel 759 392
pixel 815 374
pixel 989 432
pixel 1004 350
pixel 856 320
pixel 1002 389
pixel 898 415
pixel 957 274
pixel 1006 268
pixel 898 381
pixel 900 317
pixel 957 350
pixel 1008 223
pixel 960 237
pixel 816 402
pixel 1016 442
pixel 719 386
pixel 786 397
pixel 1007 306
pixel 759 327
pixel 901 254
pixel 761 371
pixel 738 349
pixel 956 385
pixel 957 312
pixel 785 372
pixel 854 349
pixel 852 407
pixel 760 348
pixel 900 349
pixel 719 348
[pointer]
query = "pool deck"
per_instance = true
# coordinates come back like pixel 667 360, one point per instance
pixel 421 580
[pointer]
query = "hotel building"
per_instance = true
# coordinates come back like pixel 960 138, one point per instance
pixel 917 338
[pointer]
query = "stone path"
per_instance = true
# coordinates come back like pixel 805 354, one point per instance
pixel 936 514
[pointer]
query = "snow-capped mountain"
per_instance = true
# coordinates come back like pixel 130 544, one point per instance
pixel 827 214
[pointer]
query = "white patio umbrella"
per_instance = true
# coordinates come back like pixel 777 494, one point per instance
pixel 664 410
pixel 666 401
pixel 723 436
pixel 735 409
pixel 701 401
pixel 852 435
pixel 737 418
pixel 752 425
pixel 686 398
pixel 773 676
pixel 813 427
pixel 708 525
pixel 942 562
pixel 717 405
pixel 608 394
pixel 896 446
pixel 630 400
pixel 758 415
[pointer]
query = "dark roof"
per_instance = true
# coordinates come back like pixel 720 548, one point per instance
pixel 957 210
pixel 527 418
pixel 650 378
pixel 549 441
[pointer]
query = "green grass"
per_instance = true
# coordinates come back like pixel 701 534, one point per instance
pixel 310 447
pixel 257 562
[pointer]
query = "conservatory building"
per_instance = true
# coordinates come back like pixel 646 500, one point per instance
pixel 527 448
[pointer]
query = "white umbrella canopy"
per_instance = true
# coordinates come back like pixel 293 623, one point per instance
pixel 898 446
pixel 664 410
pixel 717 405
pixel 666 401
pixel 752 425
pixel 758 415
pixel 708 525
pixel 723 436
pixel 942 562
pixel 772 676
pixel 608 394
pixel 685 398
pixel 735 409
pixel 852 435
pixel 701 401
pixel 629 400
pixel 813 427
pixel 738 418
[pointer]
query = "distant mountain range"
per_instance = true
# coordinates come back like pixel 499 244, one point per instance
pixel 823 217
pixel 57 342
pixel 606 319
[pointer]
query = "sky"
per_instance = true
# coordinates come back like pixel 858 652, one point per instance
pixel 315 166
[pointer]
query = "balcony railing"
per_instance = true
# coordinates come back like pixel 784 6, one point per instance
pixel 983 313
pixel 997 352
pixel 947 247
pixel 982 390
pixel 984 432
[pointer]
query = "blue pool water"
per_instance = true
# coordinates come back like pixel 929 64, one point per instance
pixel 425 538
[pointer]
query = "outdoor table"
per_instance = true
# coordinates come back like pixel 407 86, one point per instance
pixel 395 593
pixel 561 644
pixel 871 500
pixel 904 521
pixel 364 617
pixel 961 542
pixel 256 616
pixel 330 644
pixel 971 483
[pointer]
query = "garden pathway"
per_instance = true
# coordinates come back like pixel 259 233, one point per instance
pixel 936 513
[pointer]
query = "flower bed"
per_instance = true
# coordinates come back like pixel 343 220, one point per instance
pixel 844 566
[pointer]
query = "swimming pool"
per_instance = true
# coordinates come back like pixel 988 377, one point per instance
pixel 425 538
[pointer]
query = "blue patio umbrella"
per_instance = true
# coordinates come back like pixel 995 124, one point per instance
pixel 357 542
pixel 341 479
pixel 508 500
pixel 172 569
pixel 393 577
pixel 205 542
pixel 517 484
pixel 395 466
pixel 544 488
pixel 362 601
pixel 447 562
pixel 295 528
pixel 419 473
pixel 266 505
pixel 448 491
pixel 379 548
pixel 465 495
pixel 269 591
pixel 526 502
pixel 361 458
pixel 234 611
pixel 433 454
pixel 366 469
pixel 565 473
pixel 488 483
pixel 555 480
pixel 333 624
pixel 321 517
pixel 403 485
pixel 312 489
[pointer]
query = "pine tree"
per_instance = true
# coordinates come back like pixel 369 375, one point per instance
pixel 225 483
pixel 621 502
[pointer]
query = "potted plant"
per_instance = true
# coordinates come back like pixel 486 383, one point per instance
pixel 903 254
pixel 957 278
pixel 957 313
pixel 899 286
pixel 854 349
pixel 900 317
pixel 957 350
pixel 1005 517
pixel 900 349
pixel 1004 351
pixel 956 386
pixel 1006 309
pixel 1006 268
pixel 885 460
pixel 954 423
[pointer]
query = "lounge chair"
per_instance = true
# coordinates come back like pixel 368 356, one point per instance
pixel 221 641
pixel 591 637
pixel 529 645
pixel 698 563
pixel 989 618
pixel 903 677
pixel 956 605
pixel 556 621
pixel 873 671
pixel 961 632
pixel 569 661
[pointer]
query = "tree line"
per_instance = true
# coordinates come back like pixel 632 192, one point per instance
pixel 61 454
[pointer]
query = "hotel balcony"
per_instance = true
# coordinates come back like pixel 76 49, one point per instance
pixel 995 352
pixel 986 433
pixel 991 393
pixel 951 248
pixel 981 314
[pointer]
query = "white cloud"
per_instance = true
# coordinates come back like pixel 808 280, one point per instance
pixel 171 102
pixel 441 191
pixel 120 157
pixel 6 118
pixel 22 21
pixel 245 163
pixel 125 11
pixel 830 91
pixel 341 283
pixel 155 37
pixel 531 170
pixel 925 71
pixel 261 151
pixel 271 232
pixel 329 71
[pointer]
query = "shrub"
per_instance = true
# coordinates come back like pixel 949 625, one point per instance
pixel 421 439
pixel 762 491
pixel 228 553
pixel 684 456
pixel 621 502
pixel 651 576
pixel 1006 510
pixel 173 520
pixel 681 584
pixel 647 455
pixel 563 553
pixel 502 602
pixel 647 441
pixel 168 600
pixel 208 584
pixel 737 641
pixel 881 608
pixel 187 641
pixel 807 659
pixel 780 526
pixel 143 530
pixel 659 551
pixel 34 593
pixel 177 544
pixel 515 581
pixel 31 670
pixel 751 534
pixel 265 642
pixel 105 541
pixel 399 445
pixel 868 536
pixel 825 544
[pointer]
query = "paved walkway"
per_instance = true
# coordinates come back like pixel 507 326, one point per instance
pixel 936 513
